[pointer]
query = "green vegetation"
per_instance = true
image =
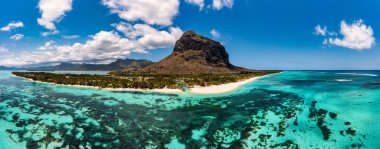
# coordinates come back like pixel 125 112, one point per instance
pixel 142 81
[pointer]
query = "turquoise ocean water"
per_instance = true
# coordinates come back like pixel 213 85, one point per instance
pixel 304 109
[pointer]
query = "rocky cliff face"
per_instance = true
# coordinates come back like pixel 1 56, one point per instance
pixel 195 54
pixel 211 51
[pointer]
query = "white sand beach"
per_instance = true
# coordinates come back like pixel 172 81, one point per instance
pixel 223 88
pixel 161 90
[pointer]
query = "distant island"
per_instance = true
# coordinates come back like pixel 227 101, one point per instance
pixel 195 62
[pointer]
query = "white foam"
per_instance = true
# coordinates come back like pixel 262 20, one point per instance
pixel 343 80
pixel 359 74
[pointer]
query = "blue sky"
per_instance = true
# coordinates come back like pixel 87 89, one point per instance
pixel 258 34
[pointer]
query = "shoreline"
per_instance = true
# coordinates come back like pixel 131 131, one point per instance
pixel 197 90
pixel 223 88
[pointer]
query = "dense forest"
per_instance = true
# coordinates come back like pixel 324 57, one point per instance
pixel 141 81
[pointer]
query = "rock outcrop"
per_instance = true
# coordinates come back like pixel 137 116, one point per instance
pixel 195 54
pixel 211 51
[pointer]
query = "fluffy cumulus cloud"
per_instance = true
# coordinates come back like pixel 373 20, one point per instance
pixel 17 37
pixel 101 47
pixel 199 3
pixel 12 25
pixel 159 12
pixel 53 11
pixel 219 4
pixel 215 33
pixel 148 36
pixel 357 36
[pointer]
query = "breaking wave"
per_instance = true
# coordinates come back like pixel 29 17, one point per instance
pixel 343 80
pixel 359 74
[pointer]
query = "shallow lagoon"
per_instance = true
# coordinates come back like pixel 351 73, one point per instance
pixel 317 109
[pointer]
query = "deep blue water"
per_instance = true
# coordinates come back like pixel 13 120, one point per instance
pixel 305 109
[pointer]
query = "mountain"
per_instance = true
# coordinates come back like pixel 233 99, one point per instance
pixel 195 54
pixel 10 68
pixel 118 65
pixel 192 54
pixel 5 68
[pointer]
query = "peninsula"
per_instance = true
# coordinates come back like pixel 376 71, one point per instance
pixel 196 62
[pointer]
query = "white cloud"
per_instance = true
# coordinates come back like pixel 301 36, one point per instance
pixel 53 11
pixel 53 32
pixel 199 3
pixel 323 31
pixel 148 36
pixel 357 36
pixel 50 45
pixel 159 12
pixel 70 36
pixel 325 42
pixel 12 25
pixel 219 4
pixel 102 47
pixel 3 49
pixel 215 33
pixel 320 31
pixel 17 37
